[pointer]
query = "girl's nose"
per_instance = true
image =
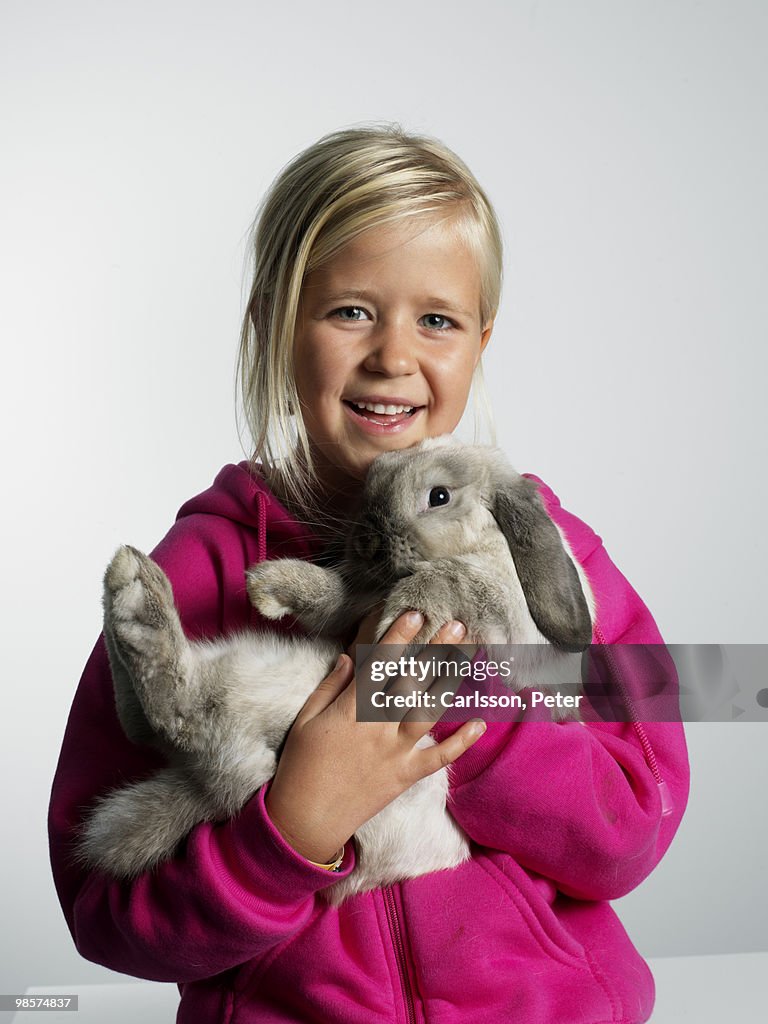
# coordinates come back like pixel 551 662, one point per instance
pixel 392 351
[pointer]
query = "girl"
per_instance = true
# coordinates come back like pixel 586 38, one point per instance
pixel 377 279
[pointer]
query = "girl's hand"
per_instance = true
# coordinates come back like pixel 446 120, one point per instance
pixel 336 773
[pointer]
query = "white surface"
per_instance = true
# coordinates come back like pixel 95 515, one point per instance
pixel 623 145
pixel 695 989
pixel 729 989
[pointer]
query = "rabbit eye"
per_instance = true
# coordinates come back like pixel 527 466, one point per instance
pixel 439 496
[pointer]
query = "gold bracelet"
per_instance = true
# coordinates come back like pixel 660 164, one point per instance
pixel 334 865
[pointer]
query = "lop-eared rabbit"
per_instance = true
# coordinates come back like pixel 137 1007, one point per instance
pixel 448 529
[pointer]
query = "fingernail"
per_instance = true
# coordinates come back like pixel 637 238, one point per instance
pixel 457 630
pixel 477 728
pixel 339 662
pixel 414 619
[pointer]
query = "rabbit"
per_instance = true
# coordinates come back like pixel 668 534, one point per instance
pixel 445 528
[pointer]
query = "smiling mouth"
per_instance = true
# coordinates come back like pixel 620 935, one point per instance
pixel 378 412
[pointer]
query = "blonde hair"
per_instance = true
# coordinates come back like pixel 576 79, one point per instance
pixel 346 183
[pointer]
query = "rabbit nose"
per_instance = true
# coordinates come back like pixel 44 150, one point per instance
pixel 400 554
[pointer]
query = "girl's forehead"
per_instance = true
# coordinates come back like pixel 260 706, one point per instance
pixel 426 257
pixel 405 237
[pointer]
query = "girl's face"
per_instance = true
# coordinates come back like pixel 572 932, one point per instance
pixel 387 339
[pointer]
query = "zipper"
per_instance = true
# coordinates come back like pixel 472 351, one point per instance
pixel 396 934
pixel 261 513
pixel 645 743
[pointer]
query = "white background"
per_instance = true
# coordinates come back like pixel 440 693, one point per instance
pixel 623 145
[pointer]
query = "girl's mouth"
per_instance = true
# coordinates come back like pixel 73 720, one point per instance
pixel 378 417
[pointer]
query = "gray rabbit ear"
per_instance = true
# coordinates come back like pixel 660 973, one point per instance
pixel 548 576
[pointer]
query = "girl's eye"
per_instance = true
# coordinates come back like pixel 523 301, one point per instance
pixel 439 316
pixel 348 309
pixel 436 321
pixel 439 496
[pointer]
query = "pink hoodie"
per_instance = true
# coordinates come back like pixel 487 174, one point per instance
pixel 563 818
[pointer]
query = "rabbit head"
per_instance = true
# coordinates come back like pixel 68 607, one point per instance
pixel 420 504
pixel 445 499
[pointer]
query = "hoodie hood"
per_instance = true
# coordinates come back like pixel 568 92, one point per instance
pixel 239 493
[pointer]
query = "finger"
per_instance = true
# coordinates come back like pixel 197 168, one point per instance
pixel 394 641
pixel 434 758
pixel 435 667
pixel 447 677
pixel 442 675
pixel 337 680
pixel 403 629
pixel 450 633
pixel 438 697
pixel 390 648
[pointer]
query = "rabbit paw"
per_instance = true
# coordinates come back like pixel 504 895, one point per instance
pixel 291 586
pixel 432 595
pixel 138 602
pixel 271 590
pixel 148 650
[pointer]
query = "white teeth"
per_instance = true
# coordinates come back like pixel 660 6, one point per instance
pixel 387 410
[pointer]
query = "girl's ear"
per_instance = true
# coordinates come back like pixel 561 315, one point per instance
pixel 485 337
pixel 548 577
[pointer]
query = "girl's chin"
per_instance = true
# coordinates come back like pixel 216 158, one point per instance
pixel 351 470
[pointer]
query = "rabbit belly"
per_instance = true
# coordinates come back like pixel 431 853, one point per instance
pixel 411 836
pixel 259 682
pixel 256 685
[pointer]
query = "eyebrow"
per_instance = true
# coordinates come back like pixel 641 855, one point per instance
pixel 352 293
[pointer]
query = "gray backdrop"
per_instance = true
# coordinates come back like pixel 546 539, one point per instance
pixel 623 144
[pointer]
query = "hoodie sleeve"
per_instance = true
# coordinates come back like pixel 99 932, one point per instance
pixel 235 888
pixel 591 806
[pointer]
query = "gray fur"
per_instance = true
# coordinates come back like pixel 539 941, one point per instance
pixel 547 575
pixel 490 557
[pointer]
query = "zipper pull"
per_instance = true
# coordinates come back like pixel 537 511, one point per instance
pixel 666 799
